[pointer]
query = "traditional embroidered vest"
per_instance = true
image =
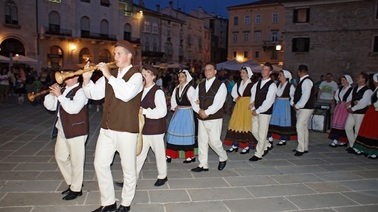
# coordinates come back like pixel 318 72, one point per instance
pixel 74 124
pixel 261 95
pixel 152 126
pixel 298 93
pixel 119 115
pixel 183 100
pixel 207 98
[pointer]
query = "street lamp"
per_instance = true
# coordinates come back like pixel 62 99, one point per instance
pixel 278 47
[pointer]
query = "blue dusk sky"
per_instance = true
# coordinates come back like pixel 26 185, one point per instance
pixel 219 7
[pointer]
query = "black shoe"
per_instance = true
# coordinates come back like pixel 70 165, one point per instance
pixel 350 150
pixel 192 160
pixel 119 184
pixel 221 165
pixel 232 149
pixel 72 195
pixel 160 182
pixel 294 150
pixel 298 153
pixel 199 169
pixel 123 208
pixel 108 208
pixel 254 158
pixel 244 151
pixel 65 192
pixel 169 160
pixel 265 152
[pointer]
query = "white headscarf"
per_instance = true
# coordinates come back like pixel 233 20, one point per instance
pixel 188 76
pixel 249 71
pixel 287 74
pixel 375 77
pixel 348 79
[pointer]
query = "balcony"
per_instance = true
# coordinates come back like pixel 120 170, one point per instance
pixel 270 45
pixel 99 36
pixel 56 30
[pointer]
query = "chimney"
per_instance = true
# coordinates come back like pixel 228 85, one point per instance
pixel 157 6
pixel 171 4
pixel 141 3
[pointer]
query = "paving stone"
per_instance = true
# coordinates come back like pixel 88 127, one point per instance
pixel 279 190
pixel 261 204
pixel 29 186
pixel 160 196
pixel 326 187
pixel 218 194
pixel 196 206
pixel 364 208
pixel 250 181
pixel 320 201
pixel 363 197
pixel 360 185
pixel 296 178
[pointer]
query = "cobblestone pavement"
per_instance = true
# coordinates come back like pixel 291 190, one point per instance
pixel 325 179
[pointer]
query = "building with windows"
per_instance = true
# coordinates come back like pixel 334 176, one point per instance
pixel 254 31
pixel 338 36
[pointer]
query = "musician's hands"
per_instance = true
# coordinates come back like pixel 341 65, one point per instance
pixel 87 75
pixel 104 69
pixel 55 90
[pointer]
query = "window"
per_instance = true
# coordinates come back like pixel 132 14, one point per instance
pixel 376 11
pixel 247 20
pixel 104 29
pixel 155 28
pixel 235 37
pixel 245 54
pixel 258 19
pixel 105 3
pixel 301 15
pixel 127 32
pixel 11 14
pixel 301 44
pixel 147 26
pixel 246 36
pixel 55 1
pixel 234 53
pixel 86 1
pixel 236 20
pixel 257 36
pixel 257 54
pixel 84 27
pixel 275 18
pixel 375 45
pixel 147 46
pixel 54 23
pixel 274 36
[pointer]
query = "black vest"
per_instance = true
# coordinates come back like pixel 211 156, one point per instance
pixel 374 97
pixel 207 98
pixel 183 100
pixel 356 96
pixel 345 97
pixel 152 126
pixel 261 95
pixel 298 93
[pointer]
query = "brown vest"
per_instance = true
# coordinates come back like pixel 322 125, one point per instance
pixel 119 115
pixel 152 126
pixel 260 95
pixel 74 124
pixel 206 99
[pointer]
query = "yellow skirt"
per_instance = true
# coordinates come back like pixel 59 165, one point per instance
pixel 241 117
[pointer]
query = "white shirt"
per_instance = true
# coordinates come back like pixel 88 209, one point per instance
pixel 219 99
pixel 235 89
pixel 270 96
pixel 341 93
pixel 73 106
pixel 189 94
pixel 123 90
pixel 280 89
pixel 362 103
pixel 327 90
pixel 306 92
pixel 160 111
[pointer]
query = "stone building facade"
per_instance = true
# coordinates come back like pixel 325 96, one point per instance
pixel 338 36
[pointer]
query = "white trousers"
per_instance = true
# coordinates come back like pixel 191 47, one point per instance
pixel 70 156
pixel 260 127
pixel 156 142
pixel 303 117
pixel 108 143
pixel 352 126
pixel 209 133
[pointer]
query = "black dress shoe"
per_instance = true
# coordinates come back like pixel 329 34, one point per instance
pixel 350 150
pixel 123 208
pixel 169 160
pixel 199 169
pixel 295 150
pixel 192 160
pixel 298 153
pixel 108 208
pixel 160 182
pixel 72 195
pixel 119 184
pixel 254 158
pixel 221 165
pixel 65 192
pixel 265 152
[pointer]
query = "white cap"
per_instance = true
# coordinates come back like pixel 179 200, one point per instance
pixel 348 79
pixel 287 74
pixel 375 77
pixel 249 71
